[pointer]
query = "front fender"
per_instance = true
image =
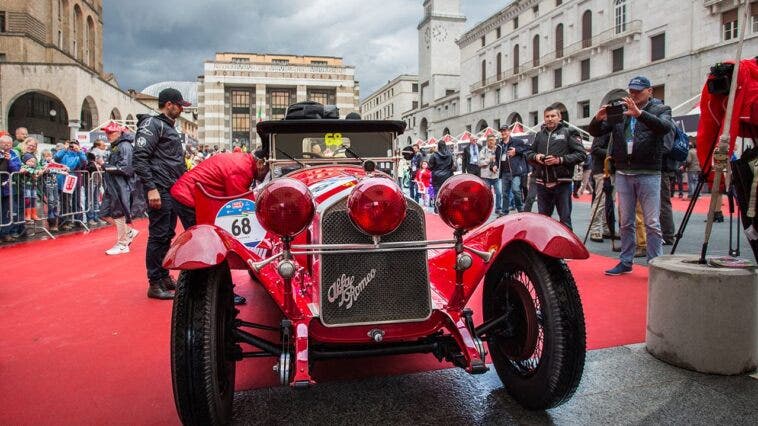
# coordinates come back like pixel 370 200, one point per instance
pixel 203 246
pixel 544 234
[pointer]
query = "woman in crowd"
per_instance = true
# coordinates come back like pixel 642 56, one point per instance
pixel 119 178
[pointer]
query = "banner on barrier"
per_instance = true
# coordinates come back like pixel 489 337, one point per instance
pixel 69 185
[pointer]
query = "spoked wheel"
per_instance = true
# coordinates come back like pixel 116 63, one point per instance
pixel 539 350
pixel 202 346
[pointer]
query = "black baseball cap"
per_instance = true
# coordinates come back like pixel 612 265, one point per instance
pixel 505 127
pixel 172 95
pixel 639 83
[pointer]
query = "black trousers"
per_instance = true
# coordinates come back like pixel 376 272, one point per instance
pixel 162 230
pixel 473 169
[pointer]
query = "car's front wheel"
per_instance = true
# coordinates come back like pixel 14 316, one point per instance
pixel 539 350
pixel 202 344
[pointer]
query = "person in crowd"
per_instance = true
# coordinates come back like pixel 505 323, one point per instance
pixel 159 162
pixel 224 174
pixel 21 134
pixel 586 176
pixel 74 159
pixel 119 182
pixel 637 153
pixel 513 169
pixel 51 199
pixel 489 170
pixel 576 180
pixel 95 169
pixel 415 164
pixel 669 168
pixel 556 149
pixel 100 151
pixel 188 159
pixel 471 158
pixel 677 180
pixel 9 163
pixel 31 170
pixel 692 166
pixel 599 226
pixel 60 146
pixel 442 165
pixel 424 183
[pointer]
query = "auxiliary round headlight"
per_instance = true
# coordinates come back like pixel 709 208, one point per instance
pixel 464 202
pixel 376 206
pixel 285 207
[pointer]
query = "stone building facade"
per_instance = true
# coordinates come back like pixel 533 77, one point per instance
pixel 390 101
pixel 574 53
pixel 239 89
pixel 51 69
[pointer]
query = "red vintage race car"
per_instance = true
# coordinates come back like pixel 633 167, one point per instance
pixel 345 255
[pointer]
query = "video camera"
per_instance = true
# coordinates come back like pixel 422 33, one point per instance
pixel 615 111
pixel 720 79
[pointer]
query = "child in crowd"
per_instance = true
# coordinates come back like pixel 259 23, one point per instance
pixel 51 198
pixel 424 181
pixel 31 170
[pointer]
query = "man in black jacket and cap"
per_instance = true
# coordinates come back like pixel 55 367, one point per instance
pixel 556 149
pixel 637 145
pixel 159 162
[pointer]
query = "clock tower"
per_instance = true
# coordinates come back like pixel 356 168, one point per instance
pixel 439 55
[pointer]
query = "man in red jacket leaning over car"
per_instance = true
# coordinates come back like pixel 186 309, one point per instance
pixel 221 175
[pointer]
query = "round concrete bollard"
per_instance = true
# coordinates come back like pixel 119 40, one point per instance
pixel 702 318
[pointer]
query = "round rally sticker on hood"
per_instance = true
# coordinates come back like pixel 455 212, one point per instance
pixel 237 217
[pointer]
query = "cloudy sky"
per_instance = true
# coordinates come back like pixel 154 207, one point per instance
pixel 147 41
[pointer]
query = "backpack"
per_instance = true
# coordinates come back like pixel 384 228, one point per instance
pixel 680 146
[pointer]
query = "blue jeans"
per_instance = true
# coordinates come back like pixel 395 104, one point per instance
pixel 555 198
pixel 512 192
pixel 495 184
pixel 645 189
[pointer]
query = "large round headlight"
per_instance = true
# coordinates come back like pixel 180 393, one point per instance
pixel 376 206
pixel 464 202
pixel 285 207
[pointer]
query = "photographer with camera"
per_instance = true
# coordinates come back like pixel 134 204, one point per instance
pixel 556 149
pixel 489 170
pixel 637 125
pixel 513 169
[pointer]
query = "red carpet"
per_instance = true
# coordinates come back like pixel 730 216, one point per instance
pixel 677 204
pixel 82 344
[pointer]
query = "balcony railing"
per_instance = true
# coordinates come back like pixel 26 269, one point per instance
pixel 606 37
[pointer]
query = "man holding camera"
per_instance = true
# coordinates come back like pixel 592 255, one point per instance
pixel 556 149
pixel 512 169
pixel 637 126
pixel 489 162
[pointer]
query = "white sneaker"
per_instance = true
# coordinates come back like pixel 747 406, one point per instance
pixel 132 235
pixel 117 249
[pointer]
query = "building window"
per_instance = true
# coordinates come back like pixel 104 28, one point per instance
pixel 515 23
pixel 468 104
pixel 484 41
pixel 559 41
pixel 585 69
pixel 584 109
pixel 536 51
pixel 558 2
pixel 322 96
pixel 280 61
pixel 482 98
pixel 536 9
pixel 414 105
pixel 241 117
pixel 278 101
pixel 414 87
pixel 535 85
pixel 468 128
pixel 618 59
pixel 2 57
pixel 729 24
pixel 319 63
pixel 497 124
pixel 484 71
pixel 499 65
pixel 587 28
pixel 240 60
pixel 658 47
pixel 620 13
pixel 515 59
pixel 754 17
pixel 497 32
pixel 558 77
pixel 497 97
pixel 514 91
pixel 659 92
pixel 533 118
pixel 2 22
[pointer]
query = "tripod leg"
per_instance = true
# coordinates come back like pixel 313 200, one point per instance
pixel 688 214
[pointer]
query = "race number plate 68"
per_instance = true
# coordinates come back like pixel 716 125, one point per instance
pixel 237 217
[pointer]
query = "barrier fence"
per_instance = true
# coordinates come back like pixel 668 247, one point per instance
pixel 41 202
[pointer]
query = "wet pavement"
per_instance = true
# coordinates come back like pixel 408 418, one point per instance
pixel 622 385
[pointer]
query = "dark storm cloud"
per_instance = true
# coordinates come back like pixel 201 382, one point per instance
pixel 147 41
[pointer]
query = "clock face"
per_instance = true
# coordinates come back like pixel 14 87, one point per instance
pixel 439 32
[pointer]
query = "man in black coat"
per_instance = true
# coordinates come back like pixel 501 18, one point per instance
pixel 471 157
pixel 637 146
pixel 513 169
pixel 159 162
pixel 556 149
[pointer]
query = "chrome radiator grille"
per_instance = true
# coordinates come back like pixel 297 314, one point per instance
pixel 370 288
